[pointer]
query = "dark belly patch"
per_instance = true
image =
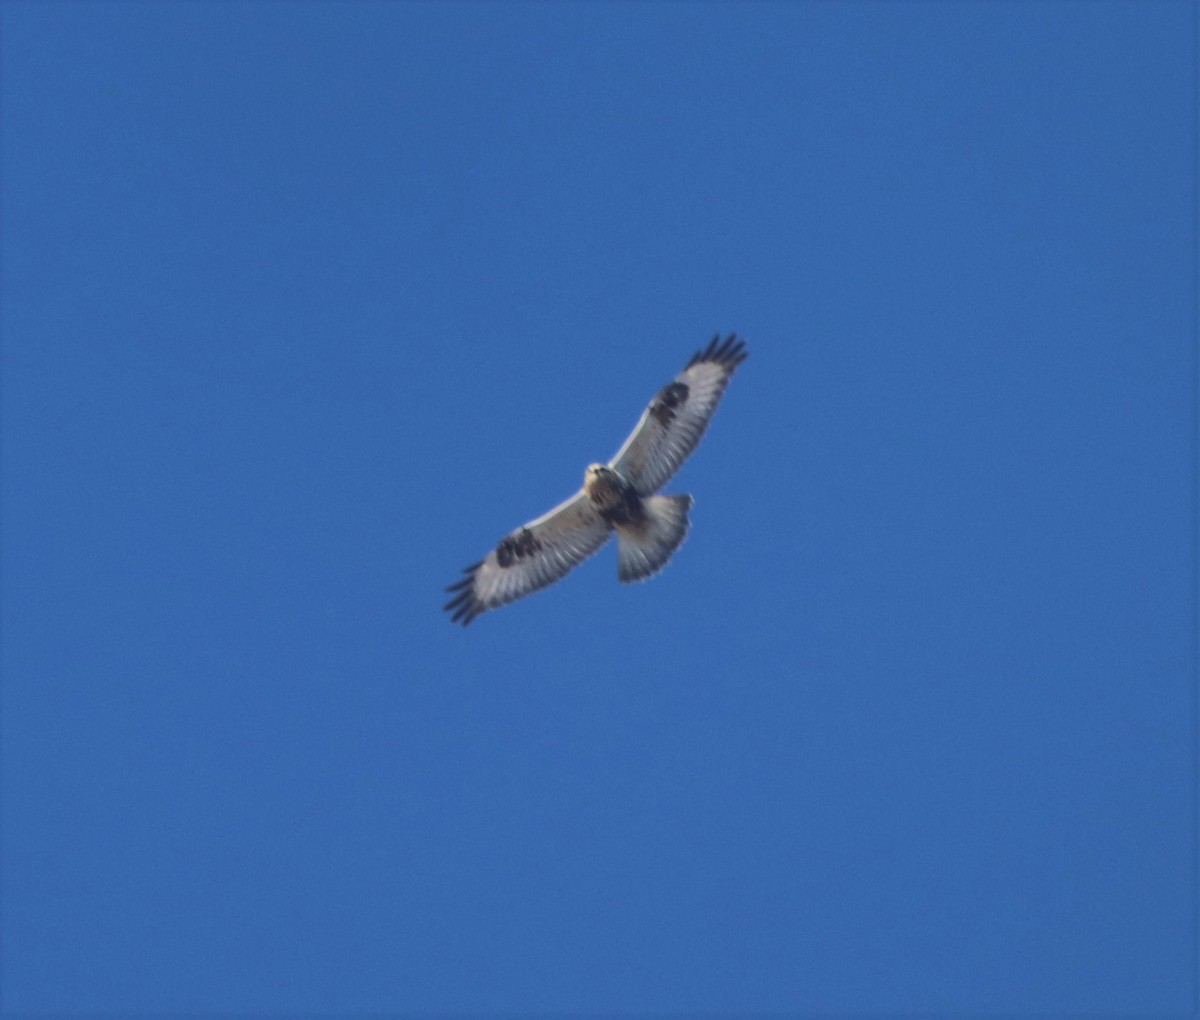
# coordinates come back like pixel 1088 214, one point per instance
pixel 626 512
pixel 670 398
pixel 516 547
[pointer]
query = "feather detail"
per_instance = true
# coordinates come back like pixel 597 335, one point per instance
pixel 535 555
pixel 671 427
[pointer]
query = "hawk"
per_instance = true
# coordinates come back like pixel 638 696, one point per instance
pixel 618 496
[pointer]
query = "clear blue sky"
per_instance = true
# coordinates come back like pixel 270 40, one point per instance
pixel 305 305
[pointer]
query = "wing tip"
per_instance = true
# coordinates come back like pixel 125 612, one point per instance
pixel 465 605
pixel 729 352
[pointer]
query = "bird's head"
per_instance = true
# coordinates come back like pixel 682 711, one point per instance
pixel 593 474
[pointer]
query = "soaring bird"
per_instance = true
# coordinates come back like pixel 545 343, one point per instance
pixel 618 496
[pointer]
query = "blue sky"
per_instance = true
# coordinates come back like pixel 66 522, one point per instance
pixel 307 304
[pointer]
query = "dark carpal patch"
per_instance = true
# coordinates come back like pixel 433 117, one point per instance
pixel 516 547
pixel 670 398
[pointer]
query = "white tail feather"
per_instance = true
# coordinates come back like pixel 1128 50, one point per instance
pixel 643 553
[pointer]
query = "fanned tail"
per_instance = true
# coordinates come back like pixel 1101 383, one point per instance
pixel 644 551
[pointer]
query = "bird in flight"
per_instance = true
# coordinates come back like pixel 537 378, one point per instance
pixel 618 496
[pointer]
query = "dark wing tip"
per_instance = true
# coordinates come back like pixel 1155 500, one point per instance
pixel 464 582
pixel 465 606
pixel 730 352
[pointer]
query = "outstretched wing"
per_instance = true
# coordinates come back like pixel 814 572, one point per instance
pixel 532 557
pixel 672 425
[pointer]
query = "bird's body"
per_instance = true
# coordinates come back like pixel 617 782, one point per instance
pixel 614 498
pixel 618 497
pixel 607 490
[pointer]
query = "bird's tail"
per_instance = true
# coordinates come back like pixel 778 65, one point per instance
pixel 643 551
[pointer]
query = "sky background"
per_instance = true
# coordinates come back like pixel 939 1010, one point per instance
pixel 305 305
